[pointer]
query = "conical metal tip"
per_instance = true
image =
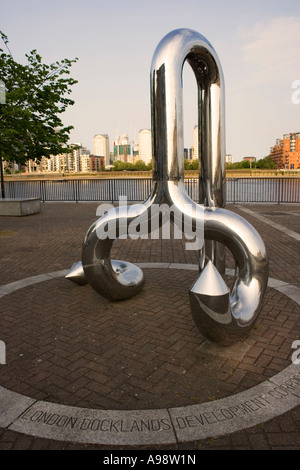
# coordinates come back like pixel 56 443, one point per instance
pixel 76 274
pixel 210 282
pixel 210 302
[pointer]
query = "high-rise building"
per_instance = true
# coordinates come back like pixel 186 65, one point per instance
pixel 145 145
pixel 286 152
pixel 122 149
pixel 101 147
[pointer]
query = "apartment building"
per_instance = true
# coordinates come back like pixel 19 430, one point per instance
pixel 62 163
pixel 286 152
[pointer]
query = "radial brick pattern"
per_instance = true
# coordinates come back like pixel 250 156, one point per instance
pixel 69 345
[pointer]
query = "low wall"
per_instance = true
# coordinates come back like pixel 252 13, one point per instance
pixel 19 207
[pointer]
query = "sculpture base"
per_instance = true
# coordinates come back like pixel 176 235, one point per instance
pixel 235 351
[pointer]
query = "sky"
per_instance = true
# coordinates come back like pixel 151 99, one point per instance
pixel 257 41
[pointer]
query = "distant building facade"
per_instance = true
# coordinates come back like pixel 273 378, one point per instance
pixel 249 159
pixel 61 163
pixel 286 152
pixel 91 163
pixel 188 154
pixel 145 146
pixel 122 149
pixel 72 162
pixel 78 158
pixel 96 163
pixel 101 147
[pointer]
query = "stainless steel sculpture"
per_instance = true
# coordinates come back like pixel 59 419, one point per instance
pixel 219 314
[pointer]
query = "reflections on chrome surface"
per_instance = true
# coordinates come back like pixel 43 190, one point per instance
pixel 220 314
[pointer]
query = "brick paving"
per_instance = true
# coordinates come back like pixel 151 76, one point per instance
pixel 68 345
pixel 284 214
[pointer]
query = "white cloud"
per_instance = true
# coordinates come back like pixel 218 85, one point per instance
pixel 271 50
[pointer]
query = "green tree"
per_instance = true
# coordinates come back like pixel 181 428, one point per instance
pixel 140 165
pixel 122 166
pixel 191 164
pixel 186 164
pixel 36 95
pixel 265 163
pixel 245 164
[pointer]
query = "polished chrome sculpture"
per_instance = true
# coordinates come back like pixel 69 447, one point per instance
pixel 219 314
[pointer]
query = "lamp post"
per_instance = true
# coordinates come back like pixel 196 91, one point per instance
pixel 2 101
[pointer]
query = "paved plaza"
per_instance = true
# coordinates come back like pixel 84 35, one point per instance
pixel 83 372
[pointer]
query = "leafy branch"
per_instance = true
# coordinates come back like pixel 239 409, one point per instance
pixel 36 95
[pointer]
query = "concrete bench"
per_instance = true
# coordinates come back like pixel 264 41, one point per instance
pixel 19 206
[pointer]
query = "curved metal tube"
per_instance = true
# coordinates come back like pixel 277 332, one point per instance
pixel 114 279
pixel 219 315
pixel 222 316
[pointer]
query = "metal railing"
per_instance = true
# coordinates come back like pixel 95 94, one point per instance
pixel 238 190
pixel 263 190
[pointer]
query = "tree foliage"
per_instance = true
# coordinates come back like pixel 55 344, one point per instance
pixel 36 95
pixel 140 165
pixel 262 164
pixel 191 164
pixel 265 163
